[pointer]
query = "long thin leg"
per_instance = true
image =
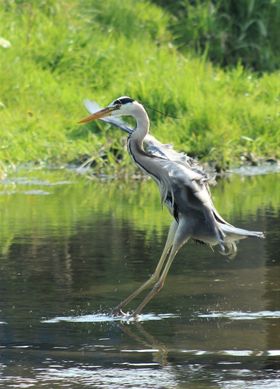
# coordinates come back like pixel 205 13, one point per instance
pixel 155 276
pixel 181 237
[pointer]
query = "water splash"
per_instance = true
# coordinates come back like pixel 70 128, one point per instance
pixel 104 318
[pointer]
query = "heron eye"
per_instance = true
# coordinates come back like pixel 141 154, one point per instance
pixel 117 102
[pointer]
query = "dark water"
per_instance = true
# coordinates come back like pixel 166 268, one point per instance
pixel 71 248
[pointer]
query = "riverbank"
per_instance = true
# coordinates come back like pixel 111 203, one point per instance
pixel 63 52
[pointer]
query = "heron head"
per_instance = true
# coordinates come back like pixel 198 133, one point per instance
pixel 122 106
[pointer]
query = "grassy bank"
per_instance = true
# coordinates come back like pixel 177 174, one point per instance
pixel 64 51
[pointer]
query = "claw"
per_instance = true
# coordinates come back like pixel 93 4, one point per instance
pixel 118 312
pixel 127 316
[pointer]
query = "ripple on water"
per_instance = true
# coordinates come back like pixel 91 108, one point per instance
pixel 265 168
pixel 239 315
pixel 117 377
pixel 33 182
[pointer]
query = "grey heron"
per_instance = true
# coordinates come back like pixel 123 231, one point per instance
pixel 183 188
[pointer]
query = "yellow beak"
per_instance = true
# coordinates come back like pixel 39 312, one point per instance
pixel 97 115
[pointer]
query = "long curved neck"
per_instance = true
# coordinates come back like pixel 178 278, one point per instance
pixel 147 162
pixel 135 144
pixel 142 126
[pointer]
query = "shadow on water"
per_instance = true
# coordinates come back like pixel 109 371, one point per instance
pixel 72 248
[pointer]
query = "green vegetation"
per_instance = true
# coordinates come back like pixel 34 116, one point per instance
pixel 228 32
pixel 64 51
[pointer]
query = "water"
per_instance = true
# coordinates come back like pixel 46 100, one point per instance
pixel 71 248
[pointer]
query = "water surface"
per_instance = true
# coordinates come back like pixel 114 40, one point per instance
pixel 71 248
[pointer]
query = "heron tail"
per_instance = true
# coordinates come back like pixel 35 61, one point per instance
pixel 233 235
pixel 240 233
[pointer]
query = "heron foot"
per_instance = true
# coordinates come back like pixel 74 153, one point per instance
pixel 129 316
pixel 119 312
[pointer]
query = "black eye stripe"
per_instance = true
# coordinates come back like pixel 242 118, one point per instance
pixel 124 100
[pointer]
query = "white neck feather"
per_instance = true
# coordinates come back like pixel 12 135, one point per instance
pixel 142 124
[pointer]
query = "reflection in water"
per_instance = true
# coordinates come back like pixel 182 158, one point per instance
pixel 68 257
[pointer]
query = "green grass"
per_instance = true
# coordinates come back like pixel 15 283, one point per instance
pixel 64 51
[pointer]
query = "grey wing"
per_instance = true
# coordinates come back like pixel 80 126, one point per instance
pixel 199 197
pixel 166 151
pixel 191 196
